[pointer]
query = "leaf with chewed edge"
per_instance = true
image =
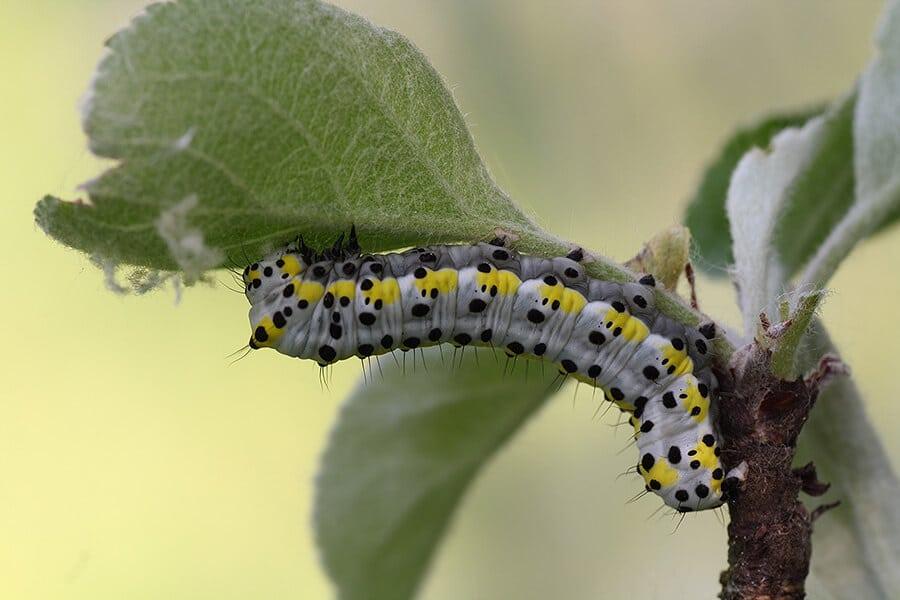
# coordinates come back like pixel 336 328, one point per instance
pixel 403 452
pixel 278 118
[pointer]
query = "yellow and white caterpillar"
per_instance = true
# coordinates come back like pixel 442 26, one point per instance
pixel 343 303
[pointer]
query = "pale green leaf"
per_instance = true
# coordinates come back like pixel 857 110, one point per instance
pixel 280 117
pixel 877 122
pixel 757 195
pixel 876 160
pixel 821 193
pixel 817 200
pixel 705 215
pixel 786 347
pixel 403 452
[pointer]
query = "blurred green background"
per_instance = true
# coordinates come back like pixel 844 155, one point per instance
pixel 136 462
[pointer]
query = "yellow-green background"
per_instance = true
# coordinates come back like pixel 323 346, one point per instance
pixel 136 462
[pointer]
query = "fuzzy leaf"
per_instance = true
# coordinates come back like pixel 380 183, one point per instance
pixel 787 346
pixel 705 216
pixel 856 546
pixel 403 452
pixel 821 193
pixel 817 201
pixel 877 123
pixel 876 141
pixel 757 194
pixel 280 117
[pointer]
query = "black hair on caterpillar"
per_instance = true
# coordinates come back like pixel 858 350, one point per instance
pixel 341 303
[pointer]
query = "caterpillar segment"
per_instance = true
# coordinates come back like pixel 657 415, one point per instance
pixel 340 303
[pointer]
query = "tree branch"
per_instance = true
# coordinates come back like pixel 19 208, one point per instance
pixel 769 536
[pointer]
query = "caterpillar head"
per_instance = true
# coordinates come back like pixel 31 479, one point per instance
pixel 264 277
pixel 283 290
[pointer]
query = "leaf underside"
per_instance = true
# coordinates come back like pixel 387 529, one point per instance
pixel 705 215
pixel 282 118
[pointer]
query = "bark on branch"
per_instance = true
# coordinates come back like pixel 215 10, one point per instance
pixel 769 536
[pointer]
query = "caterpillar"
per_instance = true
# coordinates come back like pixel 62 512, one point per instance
pixel 342 303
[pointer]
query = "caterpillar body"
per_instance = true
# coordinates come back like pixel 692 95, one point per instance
pixel 343 303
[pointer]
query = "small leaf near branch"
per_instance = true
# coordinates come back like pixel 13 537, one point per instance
pixel 665 256
pixel 787 345
pixel 403 452
pixel 281 118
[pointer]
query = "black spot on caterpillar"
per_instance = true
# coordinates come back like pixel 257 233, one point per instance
pixel 340 303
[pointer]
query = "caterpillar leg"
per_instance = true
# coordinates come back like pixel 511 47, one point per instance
pixel 734 480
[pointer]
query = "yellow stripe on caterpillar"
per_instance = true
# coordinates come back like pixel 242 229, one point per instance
pixel 657 472
pixel 676 362
pixel 444 280
pixel 387 290
pixel 310 291
pixel 266 334
pixel 506 282
pixel 696 403
pixel 570 301
pixel 343 288
pixel 631 329
pixel 292 265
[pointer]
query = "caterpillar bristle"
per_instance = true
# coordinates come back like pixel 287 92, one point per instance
pixel 334 304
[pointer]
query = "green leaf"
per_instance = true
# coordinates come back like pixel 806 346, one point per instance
pixel 787 346
pixel 405 448
pixel 876 143
pixel 240 124
pixel 280 117
pixel 822 193
pixel 705 215
pixel 817 201
pixel 856 546
pixel 876 128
